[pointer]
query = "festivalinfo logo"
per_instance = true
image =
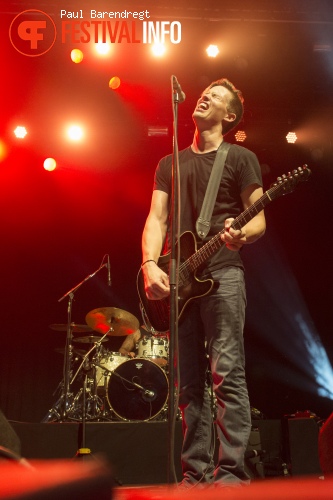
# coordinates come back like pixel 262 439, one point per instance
pixel 33 32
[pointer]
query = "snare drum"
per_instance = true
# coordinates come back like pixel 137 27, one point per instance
pixel 108 361
pixel 154 348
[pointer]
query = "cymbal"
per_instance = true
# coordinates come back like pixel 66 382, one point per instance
pixel 74 328
pixel 104 318
pixel 89 339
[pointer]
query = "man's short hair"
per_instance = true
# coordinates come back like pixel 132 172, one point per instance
pixel 235 104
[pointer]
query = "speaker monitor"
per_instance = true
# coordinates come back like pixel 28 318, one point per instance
pixel 303 446
pixel 8 437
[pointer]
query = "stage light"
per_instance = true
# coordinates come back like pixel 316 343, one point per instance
pixel 76 55
pixel 102 48
pixel 322 369
pixel 158 49
pixel 3 150
pixel 158 130
pixel 240 136
pixel 212 51
pixel 322 47
pixel 50 164
pixel 291 137
pixel 20 132
pixel 75 133
pixel 114 83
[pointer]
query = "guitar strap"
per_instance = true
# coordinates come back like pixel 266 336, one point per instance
pixel 203 222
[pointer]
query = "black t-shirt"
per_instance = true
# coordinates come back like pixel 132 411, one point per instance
pixel 241 170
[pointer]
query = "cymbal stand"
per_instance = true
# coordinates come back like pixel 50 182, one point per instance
pixel 86 356
pixel 68 348
pixel 84 363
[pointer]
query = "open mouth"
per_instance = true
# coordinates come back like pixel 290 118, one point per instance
pixel 203 105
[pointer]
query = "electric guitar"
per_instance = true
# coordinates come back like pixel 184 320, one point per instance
pixel 157 312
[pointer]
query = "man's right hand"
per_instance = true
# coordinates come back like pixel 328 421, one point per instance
pixel 156 281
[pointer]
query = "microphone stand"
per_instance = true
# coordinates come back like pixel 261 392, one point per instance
pixel 68 347
pixel 173 280
pixel 84 452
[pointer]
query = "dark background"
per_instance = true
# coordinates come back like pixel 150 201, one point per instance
pixel 56 227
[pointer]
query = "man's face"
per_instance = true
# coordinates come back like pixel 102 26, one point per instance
pixel 212 106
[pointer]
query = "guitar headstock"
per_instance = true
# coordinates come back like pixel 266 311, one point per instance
pixel 288 182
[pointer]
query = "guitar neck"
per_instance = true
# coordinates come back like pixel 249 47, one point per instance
pixel 215 243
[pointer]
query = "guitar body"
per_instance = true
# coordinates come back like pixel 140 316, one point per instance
pixel 158 311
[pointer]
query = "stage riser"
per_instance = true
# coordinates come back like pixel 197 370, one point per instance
pixel 138 451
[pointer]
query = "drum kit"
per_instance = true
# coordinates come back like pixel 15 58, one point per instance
pixel 111 386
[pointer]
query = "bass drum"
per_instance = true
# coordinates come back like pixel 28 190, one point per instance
pixel 138 390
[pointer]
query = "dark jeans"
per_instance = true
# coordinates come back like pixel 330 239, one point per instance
pixel 213 327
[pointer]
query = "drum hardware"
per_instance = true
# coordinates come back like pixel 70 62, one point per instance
pixel 144 382
pixel 85 364
pixel 64 400
pixel 78 352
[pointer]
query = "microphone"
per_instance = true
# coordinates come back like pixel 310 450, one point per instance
pixel 177 89
pixel 109 271
pixel 149 394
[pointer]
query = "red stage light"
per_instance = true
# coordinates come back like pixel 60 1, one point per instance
pixel 240 136
pixel 291 137
pixel 3 150
pixel 114 82
pixel 76 55
pixel 75 133
pixel 50 164
pixel 158 49
pixel 212 50
pixel 102 48
pixel 20 132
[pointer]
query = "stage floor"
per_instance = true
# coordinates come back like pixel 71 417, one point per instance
pixel 307 488
pixel 92 479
